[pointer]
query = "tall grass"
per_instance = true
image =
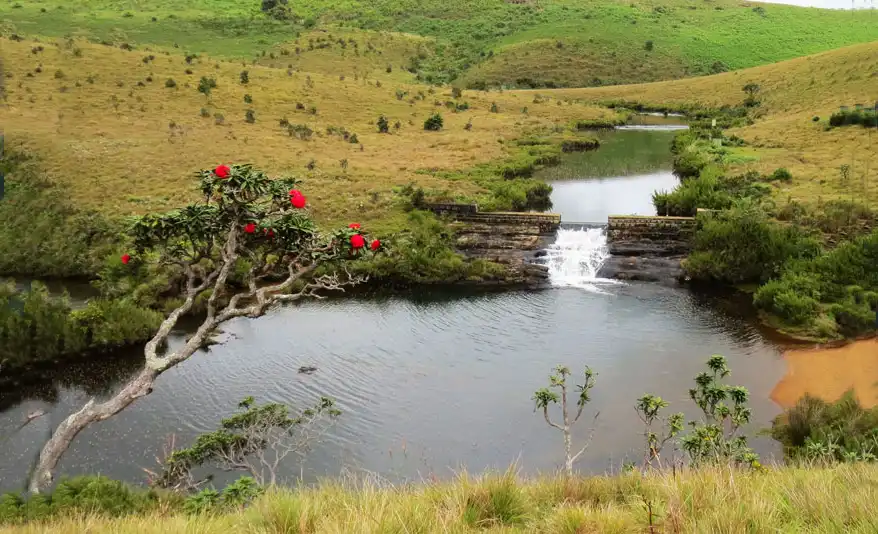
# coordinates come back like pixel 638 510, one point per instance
pixel 795 500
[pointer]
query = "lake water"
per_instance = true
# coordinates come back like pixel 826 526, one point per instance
pixel 432 383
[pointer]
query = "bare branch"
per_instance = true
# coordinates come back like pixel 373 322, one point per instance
pixel 546 415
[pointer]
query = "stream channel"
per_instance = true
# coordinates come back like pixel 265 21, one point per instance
pixel 433 383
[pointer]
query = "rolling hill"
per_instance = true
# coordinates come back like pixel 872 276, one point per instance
pixel 523 43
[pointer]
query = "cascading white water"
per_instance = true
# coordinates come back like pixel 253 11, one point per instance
pixel 576 256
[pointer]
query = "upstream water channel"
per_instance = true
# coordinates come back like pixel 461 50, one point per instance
pixel 433 383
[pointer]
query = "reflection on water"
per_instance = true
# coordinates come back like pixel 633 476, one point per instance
pixel 622 153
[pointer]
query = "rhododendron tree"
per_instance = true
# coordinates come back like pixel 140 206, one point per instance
pixel 246 222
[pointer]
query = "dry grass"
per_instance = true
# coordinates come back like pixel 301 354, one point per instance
pixel 792 93
pixel 125 145
pixel 790 500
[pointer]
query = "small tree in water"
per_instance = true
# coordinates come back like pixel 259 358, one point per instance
pixel 545 396
pixel 256 440
pixel 246 223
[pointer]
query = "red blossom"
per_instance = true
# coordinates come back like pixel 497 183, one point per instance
pixel 298 201
pixel 250 228
pixel 375 245
pixel 268 231
pixel 357 241
pixel 125 259
pixel 354 226
pixel 222 171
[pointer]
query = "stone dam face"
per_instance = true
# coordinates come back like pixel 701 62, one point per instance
pixel 640 247
pixel 647 248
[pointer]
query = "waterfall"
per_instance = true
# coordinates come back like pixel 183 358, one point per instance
pixel 576 257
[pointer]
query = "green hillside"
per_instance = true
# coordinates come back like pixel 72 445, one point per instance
pixel 478 42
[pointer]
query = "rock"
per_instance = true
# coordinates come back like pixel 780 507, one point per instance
pixel 307 369
pixel 668 269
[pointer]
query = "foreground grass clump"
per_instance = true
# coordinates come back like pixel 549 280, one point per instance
pixel 801 500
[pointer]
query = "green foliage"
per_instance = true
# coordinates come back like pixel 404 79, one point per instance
pixel 245 77
pixel 255 428
pixel 781 175
pixel 83 495
pixel 238 494
pixel 715 438
pixel 849 117
pixel 434 123
pixel 383 125
pixel 494 108
pixel 648 408
pixel 827 432
pixel 206 85
pixel 36 328
pixel 742 245
pixel 424 254
pixel 842 283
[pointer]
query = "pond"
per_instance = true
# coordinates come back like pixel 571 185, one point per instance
pixel 433 383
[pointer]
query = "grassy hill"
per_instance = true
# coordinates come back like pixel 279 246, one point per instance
pixel 493 42
pixel 828 500
pixel 122 131
pixel 792 94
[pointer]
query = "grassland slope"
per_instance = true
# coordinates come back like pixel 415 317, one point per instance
pixel 493 42
pixel 796 99
pixel 122 131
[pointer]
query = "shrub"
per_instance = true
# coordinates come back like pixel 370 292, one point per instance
pixel 206 85
pixel 867 118
pixel 781 175
pixel 219 119
pixel 170 83
pixel 434 123
pixel 456 92
pixel 84 495
pixel 383 125
pixel 353 139
pixel 205 113
pixel 245 77
pixel 742 245
pixel 818 431
pixel 494 108
pixel 250 116
pixel 648 46
pixel 248 99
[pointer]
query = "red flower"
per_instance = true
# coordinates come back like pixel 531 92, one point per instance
pixel 357 241
pixel 125 259
pixel 375 245
pixel 222 171
pixel 354 226
pixel 250 228
pixel 298 201
pixel 269 232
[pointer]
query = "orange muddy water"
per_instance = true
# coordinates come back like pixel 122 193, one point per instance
pixel 828 373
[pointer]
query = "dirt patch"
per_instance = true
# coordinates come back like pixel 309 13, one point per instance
pixel 828 373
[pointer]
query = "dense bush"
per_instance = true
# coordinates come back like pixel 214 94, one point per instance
pixel 423 254
pixel 844 281
pixel 433 123
pixel 865 117
pixel 84 495
pixel 37 328
pixel 711 189
pixel 742 245
pixel 815 430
